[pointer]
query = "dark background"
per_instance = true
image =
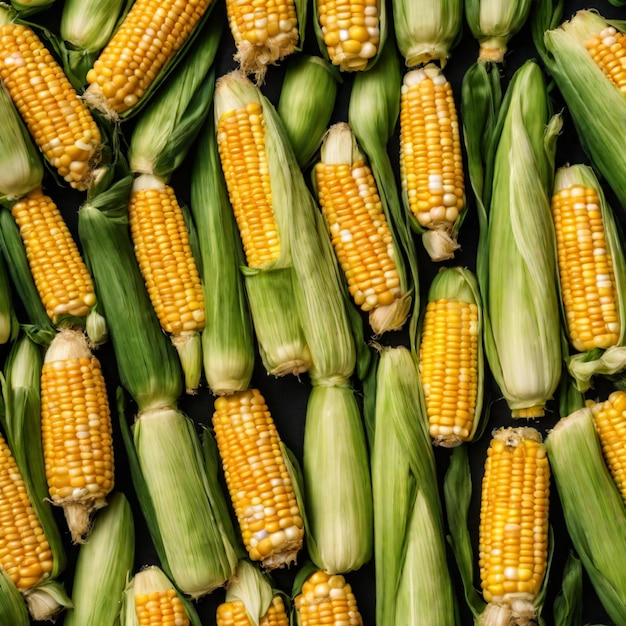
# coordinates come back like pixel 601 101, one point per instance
pixel 287 397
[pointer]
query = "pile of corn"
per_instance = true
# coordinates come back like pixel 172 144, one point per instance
pixel 312 313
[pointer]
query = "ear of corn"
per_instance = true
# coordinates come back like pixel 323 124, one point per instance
pixel 326 597
pixel 251 601
pixel 159 31
pixel 76 430
pixel 451 363
pixel 350 34
pixel 431 161
pixel 513 532
pixel 409 541
pixel 150 598
pixel 265 33
pixel 103 565
pixel 227 339
pixel 373 112
pixel 260 486
pixel 596 105
pixel 427 31
pixel 337 486
pixel 27 7
pixel 71 144
pixel 517 267
pixel 86 28
pixel 592 507
pixel 305 112
pixel 166 459
pixel 359 231
pixel 493 23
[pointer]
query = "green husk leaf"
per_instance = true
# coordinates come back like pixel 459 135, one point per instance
pixel 427 31
pixel 568 606
pixel 12 606
pixel 228 346
pixel 103 565
pixel 306 112
pixel 8 319
pixel 336 481
pixel 30 7
pixel 252 588
pixel 592 507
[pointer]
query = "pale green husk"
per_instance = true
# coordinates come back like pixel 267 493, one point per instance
pixel 427 31
pixel 227 339
pixel 518 275
pixel 253 589
pixel 103 565
pixel 413 584
pixel 592 506
pixel 306 103
pixel 494 22
pixel 337 483
pixel 8 320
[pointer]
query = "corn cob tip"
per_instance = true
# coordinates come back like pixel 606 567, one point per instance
pixel 96 100
pixel 189 347
pixel 520 611
pixel 387 318
pixel 440 244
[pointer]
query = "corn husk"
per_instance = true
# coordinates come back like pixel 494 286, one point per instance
pixel 150 579
pixel 459 284
pixel 493 23
pixel 337 488
pixel 427 31
pixel 305 112
pixel 8 319
pixel 227 339
pixel 373 112
pixel 102 567
pixel 613 359
pixel 12 608
pixel 29 7
pixel 410 548
pixel 592 507
pixel 568 605
pixel 85 29
pixel 163 449
pixel 516 264
pixel 596 105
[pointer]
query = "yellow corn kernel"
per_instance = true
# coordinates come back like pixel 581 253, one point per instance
pixel 25 555
pixel 264 32
pixel 59 121
pixel 586 269
pixel 359 232
pixel 608 50
pixel 327 599
pixel 448 367
pixel 162 607
pixel 164 256
pixel 431 161
pixel 76 430
pixel 351 32
pixel 148 38
pixel 59 272
pixel 234 614
pixel 241 143
pixel 609 418
pixel 257 478
pixel 513 530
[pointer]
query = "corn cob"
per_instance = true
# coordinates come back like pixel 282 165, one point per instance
pixel 427 31
pixel 306 113
pixel 431 161
pixel 451 357
pixel 44 97
pixel 258 480
pixel 143 46
pixel 513 532
pixel 76 430
pixel 103 566
pixel 359 231
pixel 409 538
pixel 596 104
pixel 264 32
pixel 250 600
pixel 350 33
pixel 327 599
pixel 167 264
pixel 493 23
pixel 609 418
pixel 592 507
pixel 607 50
